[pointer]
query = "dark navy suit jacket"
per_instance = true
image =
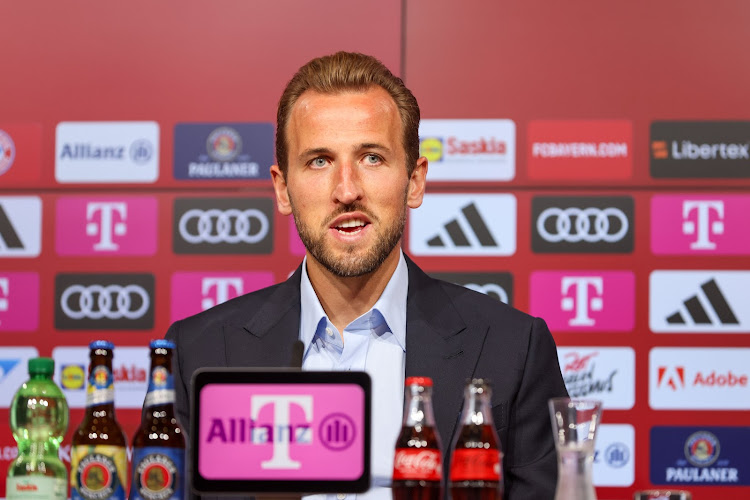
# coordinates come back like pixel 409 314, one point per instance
pixel 452 334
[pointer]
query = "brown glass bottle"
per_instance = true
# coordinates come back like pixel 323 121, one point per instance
pixel 476 459
pixel 417 463
pixel 98 457
pixel 158 470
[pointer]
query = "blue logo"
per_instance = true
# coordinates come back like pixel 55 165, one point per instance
pixel 617 455
pixel 6 366
pixel 210 151
pixel 700 456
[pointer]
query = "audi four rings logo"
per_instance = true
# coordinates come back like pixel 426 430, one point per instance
pixel 111 302
pixel 223 225
pixel 104 301
pixel 582 224
pixel 496 285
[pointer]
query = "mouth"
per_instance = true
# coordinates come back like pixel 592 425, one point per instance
pixel 350 226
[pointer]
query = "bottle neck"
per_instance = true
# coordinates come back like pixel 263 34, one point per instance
pixel 418 407
pixel 476 408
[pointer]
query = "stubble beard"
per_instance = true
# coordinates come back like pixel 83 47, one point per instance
pixel 351 264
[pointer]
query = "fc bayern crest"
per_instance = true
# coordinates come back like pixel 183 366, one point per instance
pixel 224 144
pixel 7 152
pixel 702 448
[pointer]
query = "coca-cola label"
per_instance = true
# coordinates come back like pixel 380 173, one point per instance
pixel 476 465
pixel 417 464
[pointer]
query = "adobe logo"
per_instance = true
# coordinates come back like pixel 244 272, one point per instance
pixel 700 224
pixel 106 226
pixel 672 377
pixel 584 300
pixel 197 291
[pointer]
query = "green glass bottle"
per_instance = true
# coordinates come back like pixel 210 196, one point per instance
pixel 38 419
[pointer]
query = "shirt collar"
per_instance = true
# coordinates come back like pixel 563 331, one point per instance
pixel 391 305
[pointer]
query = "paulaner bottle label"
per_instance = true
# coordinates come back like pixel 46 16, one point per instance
pixel 97 472
pixel 160 387
pixel 158 474
pixel 101 388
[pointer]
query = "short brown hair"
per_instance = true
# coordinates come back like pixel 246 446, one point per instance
pixel 348 71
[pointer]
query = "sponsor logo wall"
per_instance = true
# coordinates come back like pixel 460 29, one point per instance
pixel 645 290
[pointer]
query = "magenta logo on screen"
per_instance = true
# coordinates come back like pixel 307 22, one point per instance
pixel 584 300
pixel 106 226
pixel 272 432
pixel 700 224
pixel 196 291
pixel 19 301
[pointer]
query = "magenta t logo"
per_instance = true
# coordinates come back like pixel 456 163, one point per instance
pixel 196 291
pixel 106 226
pixel 700 225
pixel 584 300
pixel 19 301
pixel 281 420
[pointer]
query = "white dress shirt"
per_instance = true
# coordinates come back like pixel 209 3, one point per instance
pixel 374 343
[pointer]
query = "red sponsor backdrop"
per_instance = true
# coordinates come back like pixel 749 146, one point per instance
pixel 528 61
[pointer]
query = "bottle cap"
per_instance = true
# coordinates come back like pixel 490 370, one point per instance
pixel 42 366
pixel 423 381
pixel 161 343
pixel 101 344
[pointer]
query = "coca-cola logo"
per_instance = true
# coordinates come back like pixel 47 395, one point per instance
pixel 417 464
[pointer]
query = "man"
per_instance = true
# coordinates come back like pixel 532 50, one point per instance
pixel 347 148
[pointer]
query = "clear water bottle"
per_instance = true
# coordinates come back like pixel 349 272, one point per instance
pixel 38 419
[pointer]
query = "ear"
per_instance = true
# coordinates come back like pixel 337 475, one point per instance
pixel 417 184
pixel 280 188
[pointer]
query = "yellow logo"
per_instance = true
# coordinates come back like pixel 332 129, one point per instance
pixel 72 377
pixel 431 148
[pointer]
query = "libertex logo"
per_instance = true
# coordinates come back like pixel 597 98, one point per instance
pixel 702 378
pixel 700 224
pixel 124 225
pixel 700 149
pixel 196 291
pixel 580 149
pixel 584 300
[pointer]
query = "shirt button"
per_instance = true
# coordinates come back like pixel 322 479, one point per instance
pixel 340 496
pixel 330 334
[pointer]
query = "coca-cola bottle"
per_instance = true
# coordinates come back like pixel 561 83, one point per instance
pixel 476 459
pixel 417 464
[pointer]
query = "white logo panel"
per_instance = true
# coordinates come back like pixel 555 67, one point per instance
pixel 614 456
pixel 699 378
pixel 20 226
pixel 130 366
pixel 699 301
pixel 469 150
pixel 107 152
pixel 464 225
pixel 14 371
pixel 603 373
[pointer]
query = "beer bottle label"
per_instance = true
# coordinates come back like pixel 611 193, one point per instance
pixel 417 464
pixel 158 473
pixel 36 488
pixel 98 472
pixel 160 387
pixel 475 465
pixel 101 388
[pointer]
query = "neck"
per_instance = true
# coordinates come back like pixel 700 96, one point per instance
pixel 346 299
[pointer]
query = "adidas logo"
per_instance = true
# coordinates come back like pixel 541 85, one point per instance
pixel 459 238
pixel 699 315
pixel 719 301
pixel 9 239
pixel 20 226
pixel 463 225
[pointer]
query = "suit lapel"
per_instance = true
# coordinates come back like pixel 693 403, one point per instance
pixel 439 345
pixel 267 337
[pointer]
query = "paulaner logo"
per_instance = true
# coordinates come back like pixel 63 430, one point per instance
pixel 700 149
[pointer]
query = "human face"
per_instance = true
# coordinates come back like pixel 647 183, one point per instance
pixel 347 184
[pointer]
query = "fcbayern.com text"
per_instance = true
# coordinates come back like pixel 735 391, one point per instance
pixel 579 150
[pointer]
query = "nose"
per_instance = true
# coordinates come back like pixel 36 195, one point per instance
pixel 348 186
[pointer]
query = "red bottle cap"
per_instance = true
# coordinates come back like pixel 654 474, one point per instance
pixel 423 381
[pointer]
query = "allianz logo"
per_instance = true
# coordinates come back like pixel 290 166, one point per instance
pixel 139 151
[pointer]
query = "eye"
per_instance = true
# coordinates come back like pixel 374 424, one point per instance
pixel 318 162
pixel 373 159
